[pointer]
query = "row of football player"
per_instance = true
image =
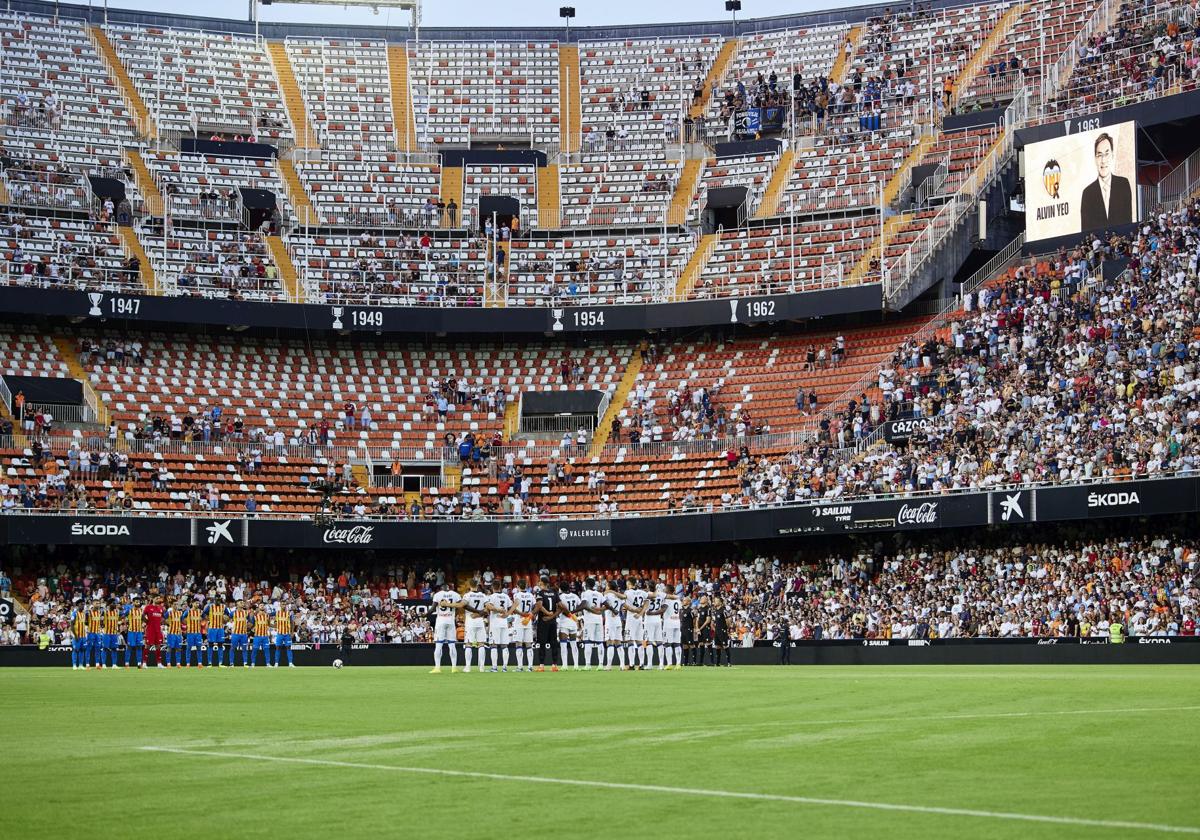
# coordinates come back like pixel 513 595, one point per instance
pixel 193 633
pixel 641 628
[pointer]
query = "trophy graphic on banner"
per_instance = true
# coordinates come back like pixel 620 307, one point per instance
pixel 95 298
pixel 557 326
pixel 337 317
pixel 733 305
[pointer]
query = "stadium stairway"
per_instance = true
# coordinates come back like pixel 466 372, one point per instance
pixel 287 269
pixel 570 128
pixel 402 112
pixel 293 99
pixel 717 72
pixel 983 56
pixel 695 265
pixel 839 65
pixel 70 356
pixel 685 190
pixel 359 472
pixel 151 197
pixel 4 199
pixel 452 188
pixel 863 266
pixel 451 478
pixel 129 93
pixel 616 405
pixel 769 205
pixel 302 207
pixel 133 248
pixel 903 176
pixel 549 202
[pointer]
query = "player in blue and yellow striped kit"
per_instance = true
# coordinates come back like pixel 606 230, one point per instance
pixel 112 632
pixel 193 629
pixel 216 633
pixel 283 635
pixel 262 637
pixel 175 653
pixel 79 636
pixel 95 625
pixel 135 633
pixel 239 638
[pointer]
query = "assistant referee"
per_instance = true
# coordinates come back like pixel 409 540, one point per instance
pixel 547 611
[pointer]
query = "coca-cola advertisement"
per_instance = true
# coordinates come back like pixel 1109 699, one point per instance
pixel 947 511
pixel 924 513
pixel 354 535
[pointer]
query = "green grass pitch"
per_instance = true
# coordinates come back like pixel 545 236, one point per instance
pixel 967 752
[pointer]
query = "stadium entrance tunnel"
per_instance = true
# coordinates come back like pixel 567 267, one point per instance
pixel 726 208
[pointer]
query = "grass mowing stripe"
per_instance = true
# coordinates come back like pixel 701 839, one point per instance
pixel 725 794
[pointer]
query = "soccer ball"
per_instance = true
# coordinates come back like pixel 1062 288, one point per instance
pixel 337 663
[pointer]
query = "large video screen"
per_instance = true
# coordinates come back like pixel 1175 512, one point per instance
pixel 1081 182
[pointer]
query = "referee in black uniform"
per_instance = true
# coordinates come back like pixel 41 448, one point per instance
pixel 547 610
pixel 687 628
pixel 720 621
pixel 703 630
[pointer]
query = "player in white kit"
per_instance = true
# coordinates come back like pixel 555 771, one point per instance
pixel 593 623
pixel 522 624
pixel 635 629
pixel 672 630
pixel 613 640
pixel 445 602
pixel 499 614
pixel 654 625
pixel 475 624
pixel 568 626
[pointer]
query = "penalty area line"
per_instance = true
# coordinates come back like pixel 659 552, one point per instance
pixel 702 792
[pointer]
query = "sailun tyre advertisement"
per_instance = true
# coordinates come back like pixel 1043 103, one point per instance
pixel 1081 182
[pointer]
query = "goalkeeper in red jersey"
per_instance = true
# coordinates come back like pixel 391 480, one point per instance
pixel 153 613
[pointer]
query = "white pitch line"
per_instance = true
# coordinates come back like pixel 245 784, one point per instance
pixel 723 794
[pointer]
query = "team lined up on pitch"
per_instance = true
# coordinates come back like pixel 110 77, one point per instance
pixel 641 628
pixel 216 633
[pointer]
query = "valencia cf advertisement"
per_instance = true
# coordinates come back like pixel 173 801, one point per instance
pixel 1081 182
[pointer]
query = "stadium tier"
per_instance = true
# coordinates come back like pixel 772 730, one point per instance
pixel 358 173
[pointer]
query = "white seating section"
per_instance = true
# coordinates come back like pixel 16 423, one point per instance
pixel 270 386
pixel 750 171
pixel 503 89
pixel 613 74
pixel 392 270
pixel 368 187
pixel 40 57
pixel 778 258
pixel 181 178
pixel 608 269
pixel 833 175
pixel 30 353
pixel 78 254
pixel 61 190
pixel 1037 38
pixel 206 262
pixel 347 92
pixel 515 181
pixel 620 189
pixel 203 81
pixel 809 52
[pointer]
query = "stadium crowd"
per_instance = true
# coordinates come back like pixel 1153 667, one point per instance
pixel 1054 373
pixel 1069 582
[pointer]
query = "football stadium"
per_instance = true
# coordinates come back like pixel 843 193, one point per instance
pixel 761 422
